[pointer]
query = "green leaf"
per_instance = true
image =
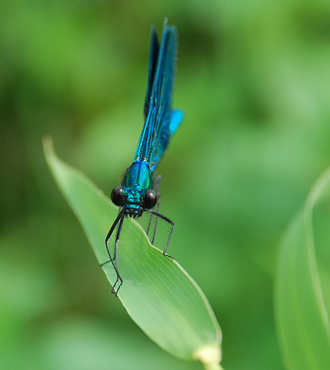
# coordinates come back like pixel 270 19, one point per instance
pixel 157 293
pixel 301 312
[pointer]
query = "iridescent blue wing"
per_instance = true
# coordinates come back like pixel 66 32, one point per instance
pixel 168 129
pixel 157 128
pixel 153 57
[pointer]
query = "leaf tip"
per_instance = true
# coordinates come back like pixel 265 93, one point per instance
pixel 210 356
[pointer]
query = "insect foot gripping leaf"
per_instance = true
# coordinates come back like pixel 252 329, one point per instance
pixel 301 300
pixel 158 294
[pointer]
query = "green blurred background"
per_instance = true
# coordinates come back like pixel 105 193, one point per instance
pixel 253 79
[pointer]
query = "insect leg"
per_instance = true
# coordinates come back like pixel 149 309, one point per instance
pixel 157 185
pixel 113 261
pixel 115 257
pixel 167 220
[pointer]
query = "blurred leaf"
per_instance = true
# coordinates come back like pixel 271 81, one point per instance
pixel 302 317
pixel 157 293
pixel 85 343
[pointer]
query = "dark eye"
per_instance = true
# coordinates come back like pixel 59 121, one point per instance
pixel 117 196
pixel 150 199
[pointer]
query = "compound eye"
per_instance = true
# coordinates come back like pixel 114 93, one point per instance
pixel 150 199
pixel 117 196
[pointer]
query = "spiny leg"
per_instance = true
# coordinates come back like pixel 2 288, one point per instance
pixel 114 264
pixel 120 212
pixel 113 261
pixel 156 223
pixel 171 232
pixel 115 257
pixel 157 185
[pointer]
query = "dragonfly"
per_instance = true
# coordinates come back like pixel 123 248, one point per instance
pixel 139 191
